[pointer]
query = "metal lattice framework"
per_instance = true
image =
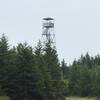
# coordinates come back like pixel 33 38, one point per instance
pixel 48 35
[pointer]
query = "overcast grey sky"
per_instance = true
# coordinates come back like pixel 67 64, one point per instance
pixel 77 24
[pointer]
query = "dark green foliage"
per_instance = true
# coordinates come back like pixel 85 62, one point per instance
pixel 53 70
pixel 84 76
pixel 52 62
pixel 4 62
pixel 65 69
pixel 36 73
pixel 30 75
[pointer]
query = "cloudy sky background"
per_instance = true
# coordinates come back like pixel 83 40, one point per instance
pixel 77 24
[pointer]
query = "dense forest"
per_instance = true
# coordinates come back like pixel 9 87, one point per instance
pixel 28 73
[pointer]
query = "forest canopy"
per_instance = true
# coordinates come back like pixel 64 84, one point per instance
pixel 37 74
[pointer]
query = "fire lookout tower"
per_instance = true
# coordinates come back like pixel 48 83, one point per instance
pixel 48 31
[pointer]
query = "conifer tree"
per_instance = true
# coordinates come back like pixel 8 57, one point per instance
pixel 4 61
pixel 55 85
pixel 52 62
pixel 65 69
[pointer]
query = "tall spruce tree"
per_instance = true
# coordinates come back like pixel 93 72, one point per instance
pixel 52 62
pixel 40 63
pixel 4 56
pixel 55 85
pixel 29 74
pixel 4 62
pixel 65 69
pixel 27 78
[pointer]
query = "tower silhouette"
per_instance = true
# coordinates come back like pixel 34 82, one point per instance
pixel 48 35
